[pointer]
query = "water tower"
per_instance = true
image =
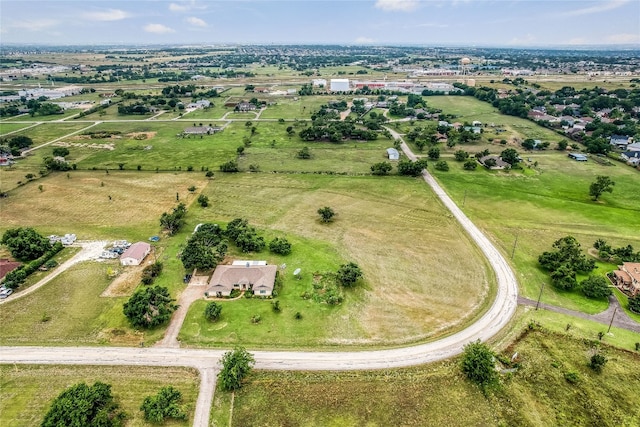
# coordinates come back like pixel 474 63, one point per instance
pixel 464 66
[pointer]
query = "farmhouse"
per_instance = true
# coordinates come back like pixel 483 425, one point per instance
pixel 245 106
pixel 393 154
pixel 201 130
pixel 494 162
pixel 203 103
pixel 627 278
pixel 259 278
pixel 631 157
pixel 135 254
pixel 578 157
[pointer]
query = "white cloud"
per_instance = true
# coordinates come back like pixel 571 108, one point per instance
pixel 577 40
pixel 432 25
pixel 598 8
pixel 107 15
pixel 364 40
pixel 401 5
pixel 158 29
pixel 196 22
pixel 526 39
pixel 624 38
pixel 34 24
pixel 186 6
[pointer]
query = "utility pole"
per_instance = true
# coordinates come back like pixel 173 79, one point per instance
pixel 513 251
pixel 465 197
pixel 612 317
pixel 540 296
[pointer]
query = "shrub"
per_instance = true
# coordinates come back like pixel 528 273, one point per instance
pixel 203 200
pixel 441 166
pixel 163 405
pixel 348 274
pixel 478 364
pixel 634 303
pixel 213 311
pixel 275 306
pixel 572 377
pixel 597 362
pixel 280 246
pixel 470 165
pixel 150 272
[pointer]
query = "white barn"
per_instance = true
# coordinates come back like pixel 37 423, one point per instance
pixel 340 85
pixel 393 154
pixel 135 254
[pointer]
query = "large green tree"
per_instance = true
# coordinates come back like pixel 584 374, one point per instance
pixel 84 406
pixel 634 303
pixel 348 274
pixel 596 287
pixel 165 404
pixel 326 214
pixel 510 156
pixel 236 365
pixel 478 364
pixel 173 221
pixel 601 185
pixel 25 243
pixel 149 307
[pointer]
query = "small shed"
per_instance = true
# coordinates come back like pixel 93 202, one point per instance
pixel 578 157
pixel 393 154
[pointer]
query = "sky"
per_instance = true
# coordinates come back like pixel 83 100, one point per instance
pixel 514 23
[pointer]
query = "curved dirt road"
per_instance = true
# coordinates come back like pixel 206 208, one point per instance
pixel 206 361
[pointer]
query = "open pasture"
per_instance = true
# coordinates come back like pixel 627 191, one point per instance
pixel 423 277
pixel 550 201
pixel 26 391
pixel 537 394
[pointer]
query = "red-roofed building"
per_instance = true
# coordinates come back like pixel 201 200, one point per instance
pixel 135 254
pixel 627 278
pixel 7 267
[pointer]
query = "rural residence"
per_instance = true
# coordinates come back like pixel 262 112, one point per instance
pixel 494 162
pixel 246 277
pixel 201 130
pixel 393 154
pixel 627 278
pixel 135 254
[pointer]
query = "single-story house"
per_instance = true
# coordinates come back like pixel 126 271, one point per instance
pixel 7 266
pixel 631 157
pixel 578 157
pixel 203 103
pixel 620 141
pixel 497 160
pixel 634 147
pixel 259 278
pixel 245 106
pixel 393 154
pixel 627 278
pixel 135 254
pixel 201 130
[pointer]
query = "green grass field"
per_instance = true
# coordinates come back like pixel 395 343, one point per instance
pixel 26 391
pixel 439 394
pixel 422 275
pixel 542 205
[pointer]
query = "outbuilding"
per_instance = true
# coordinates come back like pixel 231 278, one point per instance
pixel 578 157
pixel 393 154
pixel 135 254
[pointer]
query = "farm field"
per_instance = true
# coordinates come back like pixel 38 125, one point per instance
pixel 537 394
pixel 26 391
pixel 422 275
pixel 540 206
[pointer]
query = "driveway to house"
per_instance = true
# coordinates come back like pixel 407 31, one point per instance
pixel 89 251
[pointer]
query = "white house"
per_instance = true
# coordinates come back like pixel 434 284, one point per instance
pixel 393 154
pixel 319 82
pixel 135 254
pixel 339 85
pixel 259 278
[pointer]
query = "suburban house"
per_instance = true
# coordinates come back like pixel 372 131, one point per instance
pixel 620 141
pixel 203 103
pixel 627 278
pixel 393 154
pixel 634 147
pixel 245 106
pixel 248 276
pixel 135 254
pixel 201 130
pixel 578 157
pixel 631 157
pixel 498 163
pixel 7 267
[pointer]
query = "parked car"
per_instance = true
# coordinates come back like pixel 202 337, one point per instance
pixel 5 293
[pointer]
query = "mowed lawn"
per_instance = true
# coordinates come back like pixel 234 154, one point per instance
pixel 27 391
pixel 422 276
pixel 97 205
pixel 546 203
pixel 438 394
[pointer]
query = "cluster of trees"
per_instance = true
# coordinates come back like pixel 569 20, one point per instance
pixel 382 168
pixel 616 255
pixel 407 167
pixel 150 272
pixel 53 164
pixel 173 222
pixel 348 274
pixel 280 246
pixel 136 108
pixel 205 249
pixel 15 143
pixel 230 166
pixel 82 405
pixel 336 131
pixel 149 307
pixel 564 262
pixel 236 365
pixel 244 236
pixel 25 243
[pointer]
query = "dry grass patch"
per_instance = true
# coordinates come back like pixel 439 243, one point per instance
pixel 125 282
pixel 94 204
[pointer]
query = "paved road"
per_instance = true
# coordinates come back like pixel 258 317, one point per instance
pixel 206 361
pixel 621 319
